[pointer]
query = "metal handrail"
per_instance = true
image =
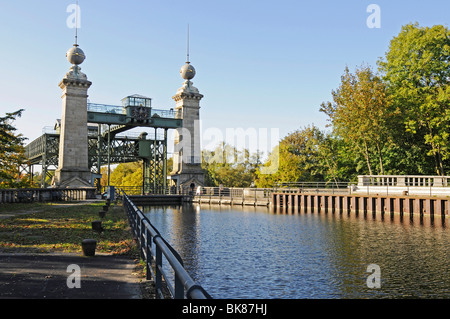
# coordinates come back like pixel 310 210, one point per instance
pixel 241 195
pixel 314 187
pixel 117 109
pixel 330 184
pixel 146 234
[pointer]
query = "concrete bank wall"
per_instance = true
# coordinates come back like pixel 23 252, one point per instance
pixel 429 206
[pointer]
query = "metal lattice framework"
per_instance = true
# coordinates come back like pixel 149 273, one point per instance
pixel 44 151
pixel 152 153
pixel 155 165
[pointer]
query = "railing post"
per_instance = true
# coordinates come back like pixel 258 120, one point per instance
pixel 142 239
pixel 136 225
pixel 158 265
pixel 148 253
pixel 179 289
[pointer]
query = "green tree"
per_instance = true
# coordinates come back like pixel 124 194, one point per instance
pixel 230 167
pixel 296 159
pixel 268 174
pixel 360 113
pixel 335 159
pixel 124 174
pixel 12 154
pixel 417 72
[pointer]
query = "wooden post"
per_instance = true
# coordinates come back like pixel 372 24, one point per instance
pixel 317 203
pixel 332 203
pixel 345 204
pixel 338 204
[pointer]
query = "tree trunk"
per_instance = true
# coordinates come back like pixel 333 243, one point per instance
pixel 367 158
pixel 440 163
pixel 380 158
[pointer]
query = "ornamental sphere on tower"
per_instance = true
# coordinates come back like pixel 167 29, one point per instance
pixel 75 55
pixel 187 71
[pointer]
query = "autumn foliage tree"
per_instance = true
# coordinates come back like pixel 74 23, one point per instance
pixel 296 159
pixel 229 166
pixel 360 114
pixel 123 175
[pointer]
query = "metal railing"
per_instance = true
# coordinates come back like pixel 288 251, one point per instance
pixel 311 187
pixel 117 109
pixel 233 194
pixel 148 190
pixel 153 247
pixel 104 108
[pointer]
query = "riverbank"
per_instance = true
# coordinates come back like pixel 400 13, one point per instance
pixel 40 232
pixel 61 227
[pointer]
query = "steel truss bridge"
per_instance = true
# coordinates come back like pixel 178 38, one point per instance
pixel 107 143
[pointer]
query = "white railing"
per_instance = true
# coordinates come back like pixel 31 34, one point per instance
pixel 403 180
pixel 233 195
pixel 404 184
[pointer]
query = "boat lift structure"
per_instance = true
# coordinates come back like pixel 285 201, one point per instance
pixel 108 145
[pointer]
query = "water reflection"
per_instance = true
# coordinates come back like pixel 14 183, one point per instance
pixel 253 252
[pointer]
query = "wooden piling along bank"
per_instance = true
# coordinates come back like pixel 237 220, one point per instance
pixel 423 206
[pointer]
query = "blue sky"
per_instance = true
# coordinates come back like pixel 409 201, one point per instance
pixel 260 64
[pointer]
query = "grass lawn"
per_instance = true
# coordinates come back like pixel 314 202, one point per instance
pixel 61 227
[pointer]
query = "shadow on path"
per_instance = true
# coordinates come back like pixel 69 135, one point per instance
pixel 45 276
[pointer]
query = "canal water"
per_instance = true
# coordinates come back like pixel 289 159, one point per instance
pixel 254 253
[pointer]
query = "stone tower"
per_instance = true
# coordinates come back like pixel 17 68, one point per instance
pixel 73 167
pixel 187 152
